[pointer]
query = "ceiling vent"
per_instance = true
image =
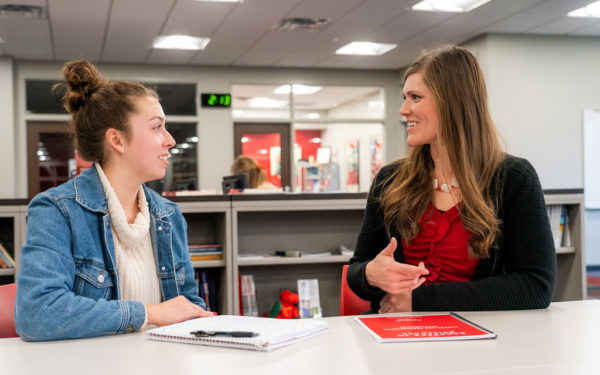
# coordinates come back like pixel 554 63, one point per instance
pixel 289 24
pixel 23 11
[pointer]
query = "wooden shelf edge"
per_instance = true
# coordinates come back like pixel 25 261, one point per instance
pixel 275 261
pixel 208 263
pixel 7 271
pixel 565 250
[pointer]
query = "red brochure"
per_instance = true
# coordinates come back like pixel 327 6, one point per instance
pixel 423 328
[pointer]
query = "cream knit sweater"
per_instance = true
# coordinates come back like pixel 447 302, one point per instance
pixel 138 278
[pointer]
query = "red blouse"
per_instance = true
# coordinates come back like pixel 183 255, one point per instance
pixel 442 246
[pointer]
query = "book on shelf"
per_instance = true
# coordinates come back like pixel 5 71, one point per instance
pixel 269 333
pixel 554 216
pixel 6 260
pixel 566 233
pixel 206 289
pixel 198 257
pixel 205 252
pixel 309 302
pixel 406 328
pixel 205 248
pixel 558 215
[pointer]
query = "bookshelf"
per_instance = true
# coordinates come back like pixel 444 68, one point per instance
pixel 209 222
pixel 262 224
pixel 12 233
pixel 571 278
pixel 318 223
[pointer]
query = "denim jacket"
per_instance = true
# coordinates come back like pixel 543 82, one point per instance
pixel 68 282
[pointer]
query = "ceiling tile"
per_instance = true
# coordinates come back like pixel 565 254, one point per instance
pixel 166 56
pixel 78 28
pixel 244 27
pixel 196 18
pixel 563 25
pixel 27 38
pixel 593 30
pixel 332 10
pixel 243 33
pixel 541 12
pixel 274 46
pixel 129 41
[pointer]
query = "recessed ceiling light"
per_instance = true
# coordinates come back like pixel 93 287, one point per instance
pixel 180 42
pixel 590 11
pixel 365 49
pixel 297 89
pixel 458 6
pixel 264 102
pixel 312 116
pixel 23 11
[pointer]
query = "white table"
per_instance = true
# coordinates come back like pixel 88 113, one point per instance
pixel 564 339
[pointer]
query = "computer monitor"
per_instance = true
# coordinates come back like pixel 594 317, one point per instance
pixel 238 181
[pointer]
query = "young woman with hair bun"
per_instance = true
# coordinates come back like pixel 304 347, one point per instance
pixel 103 253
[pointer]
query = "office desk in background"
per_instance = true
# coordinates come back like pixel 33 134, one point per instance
pixel 564 339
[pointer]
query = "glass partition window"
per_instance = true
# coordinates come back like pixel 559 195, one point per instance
pixel 259 102
pixel 41 98
pixel 181 174
pixel 176 98
pixel 340 102
pixel 266 150
pixel 337 156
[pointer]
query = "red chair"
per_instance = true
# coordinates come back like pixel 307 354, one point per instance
pixel 350 303
pixel 7 310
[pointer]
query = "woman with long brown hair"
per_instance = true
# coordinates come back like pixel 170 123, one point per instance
pixel 458 224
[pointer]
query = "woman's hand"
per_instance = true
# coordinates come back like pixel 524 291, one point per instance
pixel 175 310
pixel 401 302
pixel 393 277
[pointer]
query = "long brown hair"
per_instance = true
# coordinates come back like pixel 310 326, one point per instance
pixel 96 105
pixel 250 167
pixel 465 127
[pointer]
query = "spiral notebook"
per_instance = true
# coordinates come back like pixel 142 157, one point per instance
pixel 272 333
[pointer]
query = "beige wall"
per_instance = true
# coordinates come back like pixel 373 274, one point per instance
pixel 7 126
pixel 538 87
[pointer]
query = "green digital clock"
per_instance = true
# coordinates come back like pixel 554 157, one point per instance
pixel 216 100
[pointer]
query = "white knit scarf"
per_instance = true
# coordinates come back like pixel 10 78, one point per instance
pixel 138 278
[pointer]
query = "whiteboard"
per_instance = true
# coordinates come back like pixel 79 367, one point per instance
pixel 591 158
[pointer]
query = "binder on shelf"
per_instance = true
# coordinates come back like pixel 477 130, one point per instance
pixel 271 333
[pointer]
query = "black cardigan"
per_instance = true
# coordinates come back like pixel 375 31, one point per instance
pixel 520 272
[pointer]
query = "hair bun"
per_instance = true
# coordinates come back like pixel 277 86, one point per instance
pixel 82 80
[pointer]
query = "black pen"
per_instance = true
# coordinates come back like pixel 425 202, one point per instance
pixel 224 333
